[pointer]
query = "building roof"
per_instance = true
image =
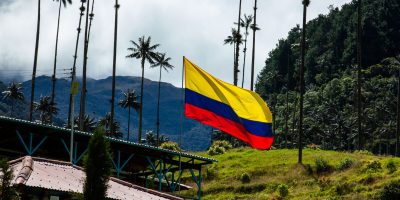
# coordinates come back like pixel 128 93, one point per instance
pixel 62 176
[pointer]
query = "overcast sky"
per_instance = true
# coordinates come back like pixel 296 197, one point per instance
pixel 192 28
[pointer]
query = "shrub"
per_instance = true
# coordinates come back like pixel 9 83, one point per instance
pixel 210 173
pixel 374 166
pixel 390 191
pixel 345 164
pixel 283 190
pixel 245 178
pixel 391 166
pixel 219 147
pixel 170 146
pixel 322 165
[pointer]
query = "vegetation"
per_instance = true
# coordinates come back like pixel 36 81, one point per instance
pixel 13 92
pixel 129 101
pixel 144 51
pixel 275 174
pixel 170 146
pixel 219 147
pixel 330 108
pixel 97 166
pixel 47 109
pixel 7 190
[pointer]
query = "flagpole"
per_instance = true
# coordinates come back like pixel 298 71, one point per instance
pixel 181 132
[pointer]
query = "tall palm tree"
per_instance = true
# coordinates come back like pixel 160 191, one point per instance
pixel 145 52
pixel 13 92
pixel 115 64
pixel 236 65
pixel 234 39
pixel 35 65
pixel 306 3
pixel 359 66
pixel 129 101
pixel 89 123
pixel 64 2
pixel 245 23
pixel 254 28
pixel 163 63
pixel 71 96
pixel 46 108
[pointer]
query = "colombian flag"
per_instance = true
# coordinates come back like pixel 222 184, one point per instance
pixel 236 111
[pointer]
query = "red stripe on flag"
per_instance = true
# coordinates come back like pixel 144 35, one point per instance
pixel 233 128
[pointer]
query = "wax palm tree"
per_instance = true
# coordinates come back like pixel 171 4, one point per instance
pixel 151 139
pixel 35 64
pixel 13 92
pixel 306 3
pixel 163 63
pixel 64 2
pixel 236 65
pixel 254 28
pixel 129 101
pixel 234 39
pixel 245 23
pixel 89 123
pixel 106 123
pixel 116 6
pixel 46 108
pixel 145 52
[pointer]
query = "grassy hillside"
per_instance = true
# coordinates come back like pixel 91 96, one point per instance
pixel 324 175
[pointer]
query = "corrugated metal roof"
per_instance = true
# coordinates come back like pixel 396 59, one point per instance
pixel 61 176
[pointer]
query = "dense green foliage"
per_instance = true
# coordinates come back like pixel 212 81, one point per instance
pixel 7 191
pixel 275 174
pixel 330 98
pixel 97 165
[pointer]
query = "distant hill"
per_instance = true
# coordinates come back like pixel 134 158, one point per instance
pixel 275 174
pixel 196 136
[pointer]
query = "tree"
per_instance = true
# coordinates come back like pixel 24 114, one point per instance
pixel 144 51
pixel 34 65
pixel 162 62
pixel 236 65
pixel 306 3
pixel 254 26
pixel 105 122
pixel 64 2
pixel 115 65
pixel 7 191
pixel 46 108
pixel 129 101
pixel 246 23
pixel 359 67
pixel 13 92
pixel 235 38
pixel 89 123
pixel 97 166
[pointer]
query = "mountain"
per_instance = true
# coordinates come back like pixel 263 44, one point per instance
pixel 195 136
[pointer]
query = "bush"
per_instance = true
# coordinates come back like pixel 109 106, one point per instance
pixel 219 147
pixel 390 191
pixel 345 164
pixel 245 178
pixel 374 166
pixel 170 146
pixel 210 173
pixel 391 166
pixel 322 165
pixel 283 190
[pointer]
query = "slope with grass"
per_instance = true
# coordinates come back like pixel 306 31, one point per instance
pixel 252 174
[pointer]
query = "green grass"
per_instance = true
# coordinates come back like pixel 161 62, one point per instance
pixel 269 169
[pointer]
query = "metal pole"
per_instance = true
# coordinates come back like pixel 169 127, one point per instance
pixel 72 117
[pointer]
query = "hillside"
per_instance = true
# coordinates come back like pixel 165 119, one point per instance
pixel 196 137
pixel 339 175
pixel 330 99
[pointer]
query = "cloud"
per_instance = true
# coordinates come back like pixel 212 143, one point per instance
pixel 192 28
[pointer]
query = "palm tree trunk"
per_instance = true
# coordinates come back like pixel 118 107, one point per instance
pixel 303 43
pixel 244 58
pixel 141 104
pixel 35 64
pixel 254 46
pixel 158 109
pixel 83 92
pixel 236 66
pixel 53 78
pixel 129 121
pixel 114 66
pixel 359 45
pixel 74 65
pixel 397 153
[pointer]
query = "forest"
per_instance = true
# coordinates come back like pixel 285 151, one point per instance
pixel 330 98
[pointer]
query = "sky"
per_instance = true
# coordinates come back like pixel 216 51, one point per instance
pixel 195 29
